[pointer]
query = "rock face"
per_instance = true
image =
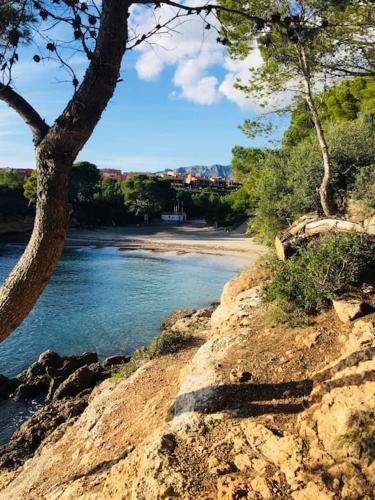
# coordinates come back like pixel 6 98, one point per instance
pixel 7 386
pixel 349 309
pixel 66 380
pixel 253 412
pixel 78 381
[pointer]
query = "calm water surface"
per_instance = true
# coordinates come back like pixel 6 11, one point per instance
pixel 107 301
pixel 110 301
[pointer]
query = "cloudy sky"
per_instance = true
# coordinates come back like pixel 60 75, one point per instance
pixel 176 106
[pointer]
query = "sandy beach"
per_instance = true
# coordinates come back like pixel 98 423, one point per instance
pixel 189 237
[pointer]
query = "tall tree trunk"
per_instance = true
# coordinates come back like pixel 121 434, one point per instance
pixel 56 149
pixel 29 277
pixel 327 164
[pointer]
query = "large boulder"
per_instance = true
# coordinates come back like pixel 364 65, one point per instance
pixel 30 389
pixel 28 376
pixel 348 309
pixel 71 363
pixel 78 381
pixel 49 359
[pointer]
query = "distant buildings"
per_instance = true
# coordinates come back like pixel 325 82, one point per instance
pixel 197 182
pixel 111 173
pixel 178 180
pixel 23 172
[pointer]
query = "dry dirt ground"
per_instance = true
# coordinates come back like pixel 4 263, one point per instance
pixel 182 427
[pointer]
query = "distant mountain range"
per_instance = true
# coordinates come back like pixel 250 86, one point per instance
pixel 224 171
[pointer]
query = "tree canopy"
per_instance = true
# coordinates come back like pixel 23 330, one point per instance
pixel 147 195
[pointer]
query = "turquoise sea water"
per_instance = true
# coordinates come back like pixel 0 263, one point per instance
pixel 110 301
pixel 107 301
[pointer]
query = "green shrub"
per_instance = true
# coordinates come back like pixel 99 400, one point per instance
pixel 116 376
pixel 364 187
pixel 168 342
pixel 284 312
pixel 329 266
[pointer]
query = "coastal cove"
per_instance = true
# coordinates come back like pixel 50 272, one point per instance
pixel 111 301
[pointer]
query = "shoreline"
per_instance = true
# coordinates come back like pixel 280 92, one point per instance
pixel 182 239
pixel 192 237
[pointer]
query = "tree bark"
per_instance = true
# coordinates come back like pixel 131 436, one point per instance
pixel 311 225
pixel 56 149
pixel 327 164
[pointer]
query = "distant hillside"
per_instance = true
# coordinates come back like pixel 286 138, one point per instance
pixel 203 171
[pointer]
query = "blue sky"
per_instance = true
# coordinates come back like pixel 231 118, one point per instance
pixel 176 106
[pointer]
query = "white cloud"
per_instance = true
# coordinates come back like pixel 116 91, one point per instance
pixel 194 82
pixel 196 57
pixel 190 48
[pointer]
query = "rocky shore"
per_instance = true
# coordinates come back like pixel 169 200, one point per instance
pixel 241 409
pixel 64 384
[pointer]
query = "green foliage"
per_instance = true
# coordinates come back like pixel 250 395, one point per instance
pixel 147 194
pixel 30 186
pixel 344 102
pixel 364 187
pixel 11 178
pixel 12 201
pixel 295 37
pixel 246 162
pixel 284 188
pixel 116 377
pixel 168 342
pixel 228 210
pixel 15 15
pixel 283 312
pixel 270 194
pixel 84 180
pixel 110 191
pixel 329 266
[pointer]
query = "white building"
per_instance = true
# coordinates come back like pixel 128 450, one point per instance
pixel 173 216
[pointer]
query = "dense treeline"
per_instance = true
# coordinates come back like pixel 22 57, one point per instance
pixel 97 202
pixel 280 185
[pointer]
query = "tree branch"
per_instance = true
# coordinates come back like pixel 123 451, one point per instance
pixel 207 7
pixel 24 109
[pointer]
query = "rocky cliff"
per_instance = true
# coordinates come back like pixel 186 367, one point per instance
pixel 243 410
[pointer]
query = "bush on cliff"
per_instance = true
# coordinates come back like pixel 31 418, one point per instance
pixel 364 188
pixel 327 267
pixel 168 342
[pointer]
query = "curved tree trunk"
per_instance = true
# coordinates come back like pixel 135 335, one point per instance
pixel 29 277
pixel 327 164
pixel 56 149
pixel 311 225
